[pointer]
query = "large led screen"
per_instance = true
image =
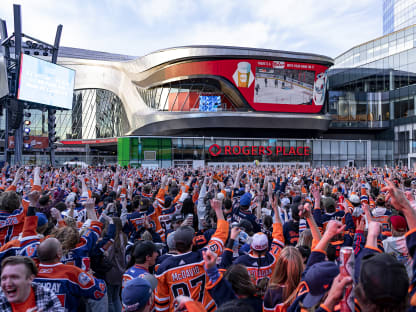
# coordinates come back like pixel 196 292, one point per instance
pixel 45 83
pixel 283 86
pixel 266 85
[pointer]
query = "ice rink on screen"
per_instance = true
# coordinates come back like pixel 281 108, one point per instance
pixel 273 93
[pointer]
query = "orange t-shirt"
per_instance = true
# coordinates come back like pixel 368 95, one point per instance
pixel 28 306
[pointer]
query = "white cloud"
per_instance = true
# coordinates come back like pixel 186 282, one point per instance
pixel 138 27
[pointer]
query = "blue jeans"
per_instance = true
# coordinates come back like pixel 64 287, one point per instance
pixel 114 301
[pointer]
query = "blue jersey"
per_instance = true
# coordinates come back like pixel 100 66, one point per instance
pixel 69 283
pixel 79 256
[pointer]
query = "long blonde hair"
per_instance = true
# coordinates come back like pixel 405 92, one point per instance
pixel 288 271
pixel 305 239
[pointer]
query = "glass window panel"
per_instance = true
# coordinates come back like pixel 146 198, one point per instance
pixel 403 58
pixel 351 148
pixel 326 150
pixel 361 151
pixel 317 150
pixel 335 147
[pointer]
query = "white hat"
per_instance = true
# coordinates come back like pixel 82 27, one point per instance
pixel 354 199
pixel 260 242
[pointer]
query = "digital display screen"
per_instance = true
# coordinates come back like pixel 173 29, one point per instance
pixel 283 86
pixel 264 85
pixel 45 83
pixel 209 103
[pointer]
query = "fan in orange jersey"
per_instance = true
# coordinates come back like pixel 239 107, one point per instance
pixel 184 274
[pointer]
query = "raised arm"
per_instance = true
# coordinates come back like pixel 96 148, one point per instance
pixel 237 178
pixel 400 202
pixel 89 207
pixel 333 228
pixel 306 214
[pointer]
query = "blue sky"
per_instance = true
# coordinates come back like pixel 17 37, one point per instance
pixel 138 27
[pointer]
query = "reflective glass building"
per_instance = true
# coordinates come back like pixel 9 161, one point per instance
pixel 398 14
pixel 372 87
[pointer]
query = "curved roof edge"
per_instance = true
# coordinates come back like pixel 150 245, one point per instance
pixel 166 123
pixel 178 54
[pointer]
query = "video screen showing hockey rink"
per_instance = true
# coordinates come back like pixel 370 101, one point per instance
pixel 283 86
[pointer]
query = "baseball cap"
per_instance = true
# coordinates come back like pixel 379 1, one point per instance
pixel 239 192
pixel 259 242
pixel 184 235
pixel 384 279
pixel 176 218
pixel 137 292
pixel 319 280
pixel 245 200
pixel 398 223
pixel 354 199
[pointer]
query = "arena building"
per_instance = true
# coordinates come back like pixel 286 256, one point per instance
pixel 213 104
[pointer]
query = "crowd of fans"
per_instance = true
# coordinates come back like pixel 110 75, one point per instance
pixel 226 239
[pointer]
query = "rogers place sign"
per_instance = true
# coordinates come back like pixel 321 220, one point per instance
pixel 216 150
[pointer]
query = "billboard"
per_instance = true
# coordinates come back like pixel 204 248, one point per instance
pixel 35 142
pixel 283 86
pixel 45 83
pixel 269 86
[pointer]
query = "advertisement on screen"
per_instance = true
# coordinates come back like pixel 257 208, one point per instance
pixel 269 86
pixel 209 103
pixel 45 83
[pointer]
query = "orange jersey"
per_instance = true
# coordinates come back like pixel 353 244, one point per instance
pixel 11 224
pixel 184 274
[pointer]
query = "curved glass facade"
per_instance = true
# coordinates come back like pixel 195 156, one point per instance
pixel 373 86
pixel 380 86
pixel 188 96
pixel 96 113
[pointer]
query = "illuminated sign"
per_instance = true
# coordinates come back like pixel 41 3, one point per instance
pixel 272 86
pixel 216 150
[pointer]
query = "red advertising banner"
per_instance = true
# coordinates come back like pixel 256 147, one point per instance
pixel 92 141
pixel 273 86
pixel 36 142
